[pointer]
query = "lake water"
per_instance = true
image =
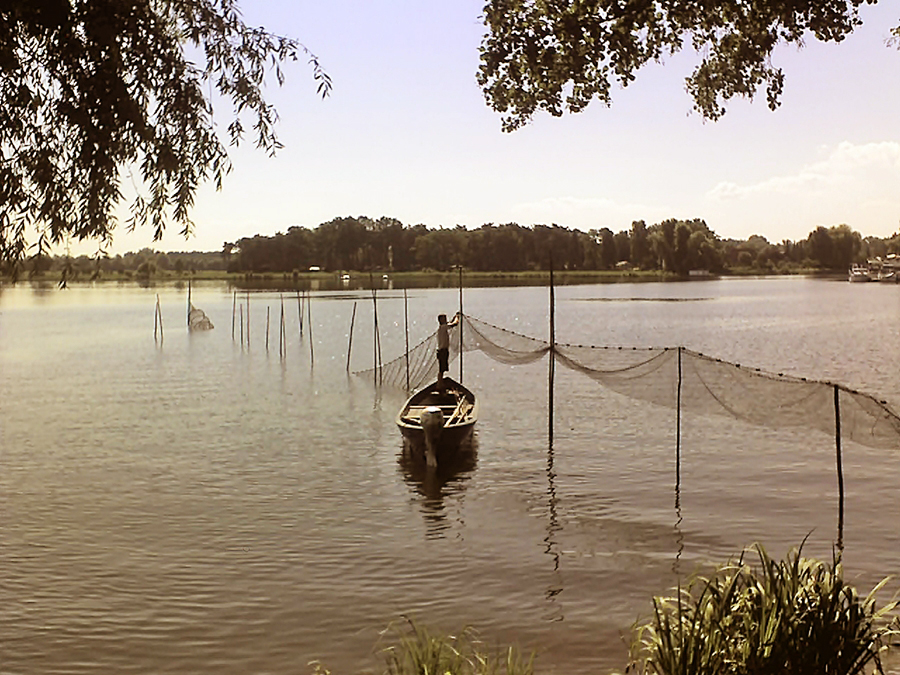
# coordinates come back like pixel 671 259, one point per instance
pixel 197 505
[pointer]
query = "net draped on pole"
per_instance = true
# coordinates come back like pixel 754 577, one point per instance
pixel 708 385
pixel 197 319
pixel 423 366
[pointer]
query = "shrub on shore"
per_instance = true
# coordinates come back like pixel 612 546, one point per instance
pixel 793 616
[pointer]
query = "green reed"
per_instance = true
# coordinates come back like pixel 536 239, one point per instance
pixel 409 648
pixel 414 650
pixel 793 616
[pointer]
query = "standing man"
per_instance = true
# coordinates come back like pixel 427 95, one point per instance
pixel 443 345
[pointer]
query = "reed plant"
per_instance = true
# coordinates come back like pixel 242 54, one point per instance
pixel 794 616
pixel 412 649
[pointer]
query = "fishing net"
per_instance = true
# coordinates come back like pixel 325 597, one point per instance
pixel 197 319
pixel 417 367
pixel 693 382
pixel 676 378
pixel 500 344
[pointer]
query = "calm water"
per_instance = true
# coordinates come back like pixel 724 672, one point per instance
pixel 200 506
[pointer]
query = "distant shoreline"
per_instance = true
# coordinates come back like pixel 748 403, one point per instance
pixel 429 279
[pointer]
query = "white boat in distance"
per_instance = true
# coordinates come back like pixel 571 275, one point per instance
pixel 859 272
pixel 877 269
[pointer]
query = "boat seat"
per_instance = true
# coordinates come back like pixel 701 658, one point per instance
pixel 457 416
pixel 416 410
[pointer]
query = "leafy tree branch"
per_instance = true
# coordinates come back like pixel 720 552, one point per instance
pixel 559 55
pixel 94 89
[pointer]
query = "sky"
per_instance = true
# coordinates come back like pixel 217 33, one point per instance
pixel 406 133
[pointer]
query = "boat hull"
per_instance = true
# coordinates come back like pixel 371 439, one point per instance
pixel 459 409
pixel 448 440
pixel 858 273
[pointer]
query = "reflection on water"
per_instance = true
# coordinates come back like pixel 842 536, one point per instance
pixel 553 527
pixel 679 535
pixel 208 507
pixel 436 485
pixel 633 299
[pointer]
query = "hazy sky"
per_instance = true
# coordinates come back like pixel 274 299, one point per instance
pixel 406 133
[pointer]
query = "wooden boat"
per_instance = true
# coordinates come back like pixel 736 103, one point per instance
pixel 438 420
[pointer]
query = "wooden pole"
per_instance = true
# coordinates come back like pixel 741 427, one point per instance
pixel 350 344
pixel 248 319
pixel 679 536
pixel 189 304
pixel 460 324
pixel 551 474
pixel 374 331
pixel 406 329
pixel 550 388
pixel 267 327
pixel 376 338
pixel 380 359
pixel 157 319
pixel 840 467
pixel 312 355
pixel 300 311
pixel 242 324
pixel 678 431
pixel 282 336
pixel 552 363
pixel 233 310
pixel 552 309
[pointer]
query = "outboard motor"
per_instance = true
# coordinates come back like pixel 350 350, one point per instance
pixel 432 420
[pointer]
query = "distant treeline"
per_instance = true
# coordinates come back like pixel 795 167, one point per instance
pixel 675 246
pixel 144 264
pixel 362 244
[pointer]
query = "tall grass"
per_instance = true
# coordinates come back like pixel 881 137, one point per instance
pixel 408 648
pixel 793 616
pixel 414 650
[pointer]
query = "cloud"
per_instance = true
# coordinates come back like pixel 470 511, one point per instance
pixel 852 184
pixel 846 167
pixel 585 212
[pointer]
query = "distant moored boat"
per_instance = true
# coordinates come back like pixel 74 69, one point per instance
pixel 859 273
